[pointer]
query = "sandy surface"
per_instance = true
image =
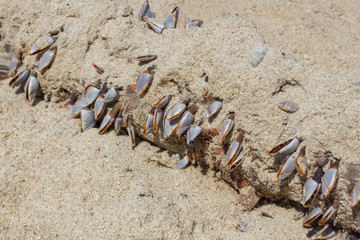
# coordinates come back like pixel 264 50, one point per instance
pixel 59 182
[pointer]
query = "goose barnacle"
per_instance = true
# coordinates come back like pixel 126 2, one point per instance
pixel 47 59
pixel 301 162
pixel 234 149
pixel 41 45
pixel 171 20
pixel 285 148
pixel 186 119
pixel 20 77
pixel 286 169
pixel 143 81
pixel 31 87
pixel 213 109
pixel 227 127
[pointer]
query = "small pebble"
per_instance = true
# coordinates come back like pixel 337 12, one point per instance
pixel 106 146
pixel 12 165
pixel 257 58
pixel 177 183
pixel 357 84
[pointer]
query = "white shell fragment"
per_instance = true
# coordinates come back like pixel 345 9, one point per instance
pixel 31 88
pixel 182 163
pixel 143 82
pixel 329 179
pixel 192 23
pixel 193 133
pixel 213 109
pixel 145 11
pixel 258 56
pixel 311 189
pixel 87 119
pixel 46 60
pixel 286 169
pixel 41 45
pixel 312 216
pixel 111 95
pixel 157 27
pixel 325 233
pixel 226 128
pixel 288 106
pixel 171 20
pixel 20 77
pixel 285 148
pixel 328 214
pixel 90 95
pixel 355 195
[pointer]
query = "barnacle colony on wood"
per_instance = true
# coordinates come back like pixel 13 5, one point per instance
pixel 92 108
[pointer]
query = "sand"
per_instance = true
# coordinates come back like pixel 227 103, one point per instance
pixel 58 182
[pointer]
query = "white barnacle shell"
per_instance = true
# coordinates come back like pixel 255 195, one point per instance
pixel 41 45
pixel 182 163
pixel 355 195
pixel 149 121
pixel 286 169
pixel 143 82
pixel 238 160
pixel 158 117
pixel 46 60
pixel 285 148
pixel 99 107
pixel 31 88
pixel 288 106
pixel 15 61
pixel 157 27
pixel 325 233
pixel 184 123
pixel 226 128
pixel 312 216
pixel 311 189
pixel 20 77
pixel 90 95
pixel 176 111
pixel 329 178
pixel 111 95
pixel 171 20
pixel 192 133
pixel 213 109
pixel 87 119
pixel 328 214
pixel 77 109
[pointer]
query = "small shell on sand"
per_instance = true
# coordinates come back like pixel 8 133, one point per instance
pixel 288 106
pixel 258 56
